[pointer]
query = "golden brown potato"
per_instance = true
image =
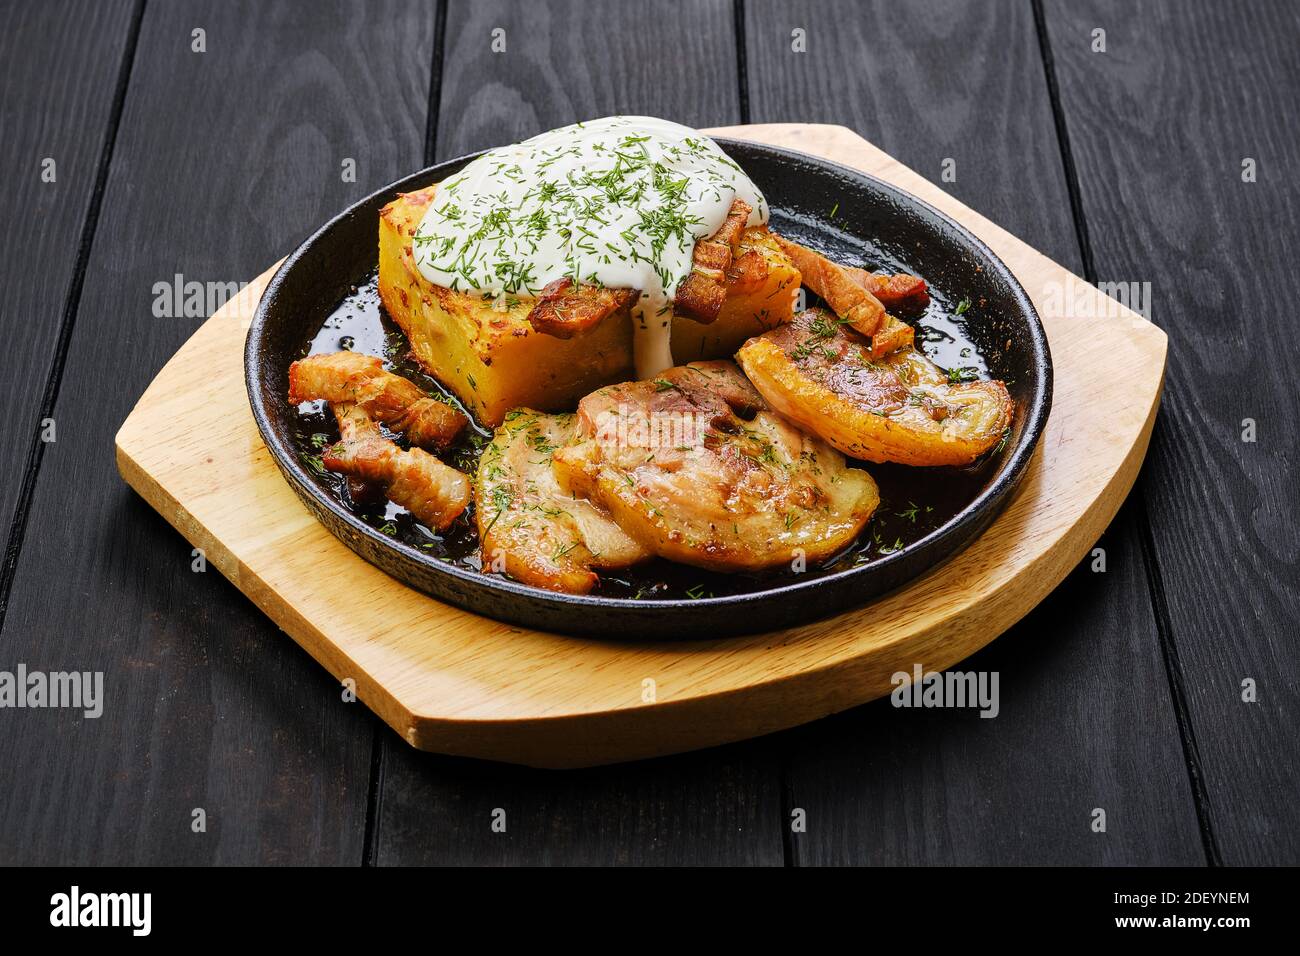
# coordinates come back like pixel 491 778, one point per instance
pixel 690 479
pixel 901 408
pixel 488 352
pixel 532 529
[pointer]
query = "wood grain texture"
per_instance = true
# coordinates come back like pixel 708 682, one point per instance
pixel 931 81
pixel 565 62
pixel 570 60
pixel 717 807
pixel 62 115
pixel 886 787
pixel 223 159
pixel 456 683
pixel 1160 124
pixel 210 706
pixel 926 81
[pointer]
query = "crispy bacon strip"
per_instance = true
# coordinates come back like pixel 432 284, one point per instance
pixel 434 493
pixel 702 293
pixel 892 335
pixel 748 273
pixel 898 290
pixel 895 291
pixel 833 282
pixel 719 377
pixel 354 378
pixel 565 309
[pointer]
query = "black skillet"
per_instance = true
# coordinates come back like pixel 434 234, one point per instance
pixel 839 210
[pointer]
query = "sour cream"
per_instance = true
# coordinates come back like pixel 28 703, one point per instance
pixel 617 202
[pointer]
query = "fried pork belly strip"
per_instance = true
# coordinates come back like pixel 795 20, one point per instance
pixel 902 408
pixel 702 293
pixel 531 528
pixel 848 297
pixel 898 290
pixel 565 309
pixel 839 285
pixel 434 493
pixel 356 379
pixel 692 480
pixel 892 335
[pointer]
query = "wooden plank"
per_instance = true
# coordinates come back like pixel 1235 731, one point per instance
pixel 926 81
pixel 884 786
pixel 564 62
pixel 224 159
pixel 715 807
pixel 1160 125
pixel 569 60
pixel 931 82
pixel 56 135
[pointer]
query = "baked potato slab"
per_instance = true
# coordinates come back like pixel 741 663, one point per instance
pixel 486 351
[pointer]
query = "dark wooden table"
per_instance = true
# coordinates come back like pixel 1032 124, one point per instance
pixel 1122 691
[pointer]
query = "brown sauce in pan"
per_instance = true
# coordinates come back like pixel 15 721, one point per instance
pixel 913 501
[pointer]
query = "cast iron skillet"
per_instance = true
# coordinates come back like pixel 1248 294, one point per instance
pixel 811 199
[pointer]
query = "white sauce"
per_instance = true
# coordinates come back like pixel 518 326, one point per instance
pixel 617 202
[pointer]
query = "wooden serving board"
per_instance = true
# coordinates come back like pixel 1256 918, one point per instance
pixel 450 681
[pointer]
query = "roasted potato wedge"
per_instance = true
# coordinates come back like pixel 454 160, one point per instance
pixel 690 479
pixel 901 408
pixel 532 529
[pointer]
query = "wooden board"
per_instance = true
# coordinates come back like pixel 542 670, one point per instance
pixel 453 682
